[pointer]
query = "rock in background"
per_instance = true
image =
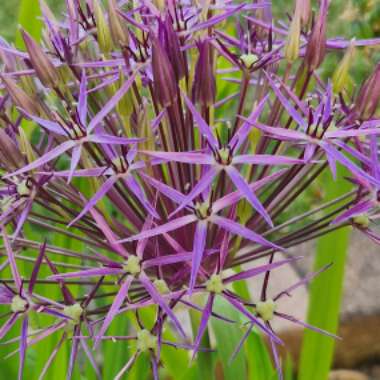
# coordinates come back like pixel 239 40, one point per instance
pixel 360 318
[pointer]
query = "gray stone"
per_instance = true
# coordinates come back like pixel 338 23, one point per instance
pixel 342 374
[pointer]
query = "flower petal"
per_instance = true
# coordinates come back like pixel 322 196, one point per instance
pixel 8 325
pixel 304 324
pixel 73 353
pixel 111 104
pixel 286 104
pixel 136 189
pixel 238 229
pixel 75 157
pixel 203 323
pixel 235 196
pixel 280 133
pixel 116 304
pixel 102 138
pixel 203 126
pixel 198 251
pixel 241 135
pixel 36 267
pixel 266 159
pixel 51 126
pixel 103 190
pixel 354 169
pixel 185 157
pixel 239 307
pixel 12 261
pixel 82 101
pixel 47 157
pixel 157 298
pixel 159 230
pixel 23 346
pixel 201 186
pixel 168 191
pixel 241 185
pixel 358 209
pixel 245 274
pixel 94 272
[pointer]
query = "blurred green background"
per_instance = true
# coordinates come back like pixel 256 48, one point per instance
pixel 9 10
pixel 348 18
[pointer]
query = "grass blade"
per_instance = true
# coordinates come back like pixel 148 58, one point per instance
pixel 259 360
pixel 325 297
pixel 29 17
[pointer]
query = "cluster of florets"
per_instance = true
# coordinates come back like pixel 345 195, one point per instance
pixel 173 145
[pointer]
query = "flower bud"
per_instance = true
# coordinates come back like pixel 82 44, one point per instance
pixel 248 60
pixel 160 4
pixel 204 87
pixel 146 341
pixel 369 95
pixel 73 23
pixel 119 32
pixel 292 45
pixel 102 29
pixel 303 7
pixel 7 58
pixel 20 97
pixel 316 47
pixel 25 146
pixel 263 14
pixel 165 85
pixel 45 70
pixel 340 77
pixel 10 156
pixel 173 48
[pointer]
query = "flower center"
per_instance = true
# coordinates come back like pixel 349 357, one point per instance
pixel 203 210
pixel 18 305
pixel 161 286
pixel 120 165
pixel 266 309
pixel 319 132
pixel 74 312
pixel 362 220
pixel 248 60
pixel 5 203
pixel 76 132
pixel 132 266
pixel 215 284
pixel 22 188
pixel 224 156
pixel 146 341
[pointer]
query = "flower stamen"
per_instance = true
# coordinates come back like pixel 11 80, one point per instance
pixel 266 309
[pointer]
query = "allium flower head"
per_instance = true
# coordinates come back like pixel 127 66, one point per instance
pixel 172 143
